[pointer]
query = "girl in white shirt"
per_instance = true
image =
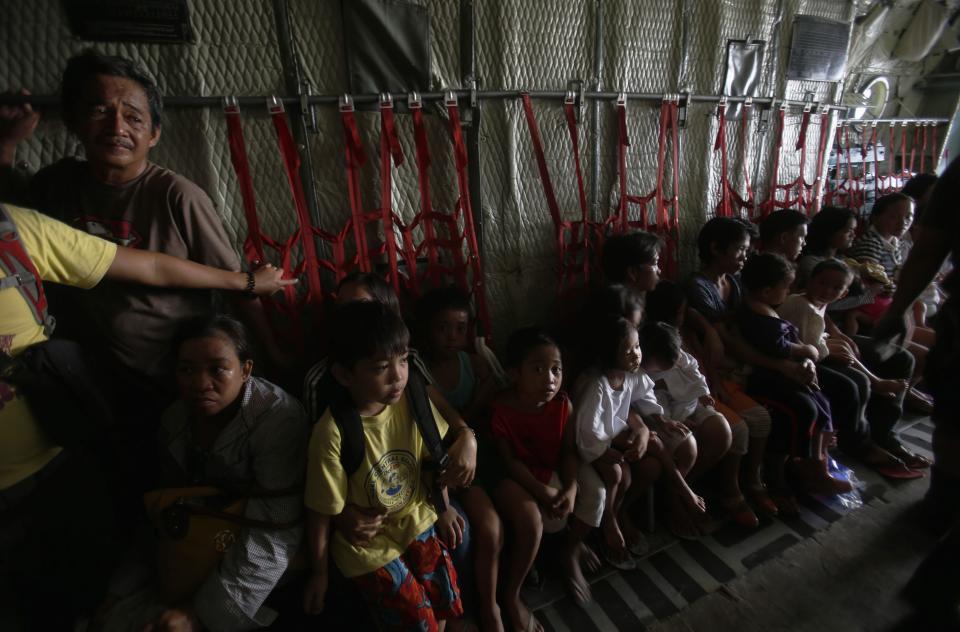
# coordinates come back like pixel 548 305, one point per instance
pixel 612 436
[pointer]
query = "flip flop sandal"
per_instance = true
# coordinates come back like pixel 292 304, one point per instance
pixel 897 472
pixel 624 564
pixel 761 498
pixel 640 547
pixel 741 513
pixel 910 459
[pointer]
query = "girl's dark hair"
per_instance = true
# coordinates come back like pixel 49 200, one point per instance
pixel 887 202
pixel 87 65
pixel 824 225
pixel 660 341
pixel 610 332
pixel 378 288
pixel 616 299
pixel 366 329
pixel 664 302
pixel 524 340
pixel 720 232
pixel 216 325
pixel 765 270
pixel 831 264
pixel 626 250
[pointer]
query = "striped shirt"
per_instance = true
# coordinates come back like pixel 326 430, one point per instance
pixel 872 246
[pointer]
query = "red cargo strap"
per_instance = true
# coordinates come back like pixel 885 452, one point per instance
pixel 291 163
pixel 923 148
pixel 389 149
pixel 799 185
pixel 469 230
pixel 355 158
pixel 729 197
pixel 256 240
pixel 426 206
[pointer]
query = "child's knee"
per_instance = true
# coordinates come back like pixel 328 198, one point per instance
pixel 685 454
pixel 758 422
pixel 647 470
pixel 739 438
pixel 716 431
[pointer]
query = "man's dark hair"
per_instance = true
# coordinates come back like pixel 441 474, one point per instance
pixel 720 232
pixel 887 202
pixel 374 283
pixel 764 270
pixel 829 264
pixel 87 65
pixel 785 221
pixel 664 302
pixel 366 329
pixel 626 250
pixel 917 186
pixel 661 342
pixel 524 340
pixel 213 326
pixel 824 225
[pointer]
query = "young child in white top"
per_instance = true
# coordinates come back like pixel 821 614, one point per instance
pixel 612 436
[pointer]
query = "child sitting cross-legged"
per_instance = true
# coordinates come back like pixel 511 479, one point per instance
pixel 404 572
pixel 540 491
pixel 801 414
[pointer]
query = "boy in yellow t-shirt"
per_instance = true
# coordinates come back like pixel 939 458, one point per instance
pixel 404 572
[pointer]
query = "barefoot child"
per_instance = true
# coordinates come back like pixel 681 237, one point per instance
pixel 683 392
pixel 540 490
pixel 801 413
pixel 465 381
pixel 404 572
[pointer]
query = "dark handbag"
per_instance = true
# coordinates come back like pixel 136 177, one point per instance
pixel 58 384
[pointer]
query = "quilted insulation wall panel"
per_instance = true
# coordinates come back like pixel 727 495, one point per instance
pixel 535 45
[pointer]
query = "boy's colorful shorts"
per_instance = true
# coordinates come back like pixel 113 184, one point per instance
pixel 416 590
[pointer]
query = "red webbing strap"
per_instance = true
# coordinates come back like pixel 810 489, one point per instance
pixel 934 156
pixel 669 220
pixel 802 148
pixel 548 190
pixel 724 207
pixel 570 114
pixel 389 150
pixel 291 163
pixel 623 141
pixel 913 146
pixel 768 206
pixel 923 149
pixel 821 157
pixel 355 158
pixel 745 114
pixel 903 149
pixel 460 156
pixel 253 244
pixel 256 239
pixel 426 206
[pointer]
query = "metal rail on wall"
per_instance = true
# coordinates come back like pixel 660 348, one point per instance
pixel 331 99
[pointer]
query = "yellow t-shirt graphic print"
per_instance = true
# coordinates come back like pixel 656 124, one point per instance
pixel 389 477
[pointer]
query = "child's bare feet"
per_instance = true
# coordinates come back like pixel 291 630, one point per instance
pixel 576 582
pixel 521 617
pixel 633 536
pixel 490 620
pixel 589 559
pixel 890 388
pixel 689 498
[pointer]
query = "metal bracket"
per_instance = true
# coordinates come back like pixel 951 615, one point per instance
pixel 622 99
pixel 386 100
pixel 414 102
pixel 450 98
pixel 683 100
pixel 230 104
pixel 346 103
pixel 808 97
pixel 472 85
pixel 274 104
pixel 764 123
pixel 307 110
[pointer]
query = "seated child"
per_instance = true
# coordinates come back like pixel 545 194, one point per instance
pixel 465 381
pixel 404 572
pixel 616 442
pixel 801 413
pixel 683 393
pixel 463 378
pixel 540 492
pixel 827 283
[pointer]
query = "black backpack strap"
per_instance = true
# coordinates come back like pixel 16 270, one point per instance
pixel 20 272
pixel 347 418
pixel 422 413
